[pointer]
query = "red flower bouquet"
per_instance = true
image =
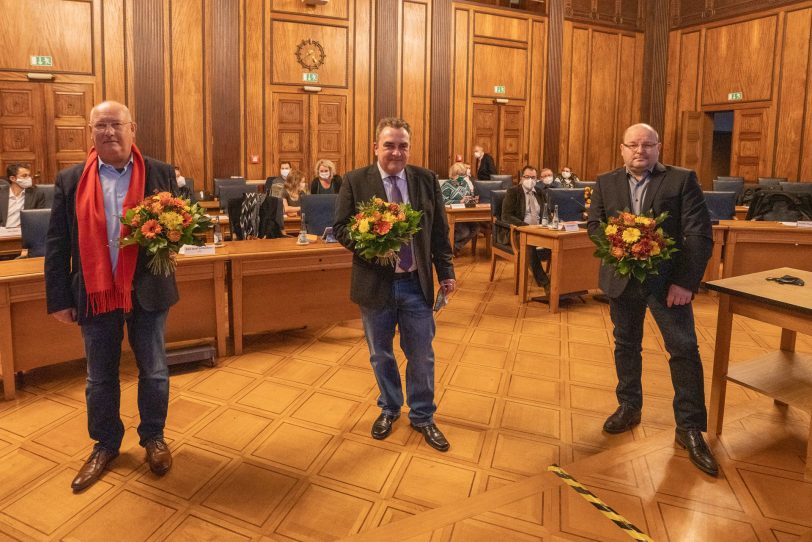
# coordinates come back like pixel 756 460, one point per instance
pixel 634 244
pixel 380 228
pixel 162 224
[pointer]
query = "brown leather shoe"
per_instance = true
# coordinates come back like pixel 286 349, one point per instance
pixel 158 456
pixel 93 468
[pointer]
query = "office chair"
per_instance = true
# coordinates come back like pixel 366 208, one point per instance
pixel 506 180
pixel 48 190
pixel 318 211
pixel 721 205
pixel 235 191
pixel 484 189
pixel 584 184
pixel 233 181
pixel 721 178
pixel 736 185
pixel 771 181
pixel 34 229
pixel 503 244
pixel 797 187
pixel 571 203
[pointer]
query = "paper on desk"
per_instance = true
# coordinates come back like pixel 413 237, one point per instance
pixel 805 223
pixel 788 223
pixel 457 206
pixel 10 232
pixel 192 250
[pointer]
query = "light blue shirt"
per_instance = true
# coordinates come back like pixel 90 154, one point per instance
pixel 114 189
pixel 404 191
pixel 638 189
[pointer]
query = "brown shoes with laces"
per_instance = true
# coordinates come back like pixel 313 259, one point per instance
pixel 93 468
pixel 158 456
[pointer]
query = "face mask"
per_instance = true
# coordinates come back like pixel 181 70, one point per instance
pixel 284 173
pixel 181 182
pixel 324 175
pixel 467 172
pixel 566 174
pixel 528 184
pixel 478 155
pixel 547 180
pixel 24 182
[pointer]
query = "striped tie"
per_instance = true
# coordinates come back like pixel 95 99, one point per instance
pixel 405 253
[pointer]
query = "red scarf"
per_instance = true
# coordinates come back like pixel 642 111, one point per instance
pixel 106 292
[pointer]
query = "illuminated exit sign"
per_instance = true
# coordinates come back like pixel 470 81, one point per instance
pixel 42 61
pixel 734 96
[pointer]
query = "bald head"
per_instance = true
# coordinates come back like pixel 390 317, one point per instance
pixel 644 128
pixel 112 131
pixel 640 148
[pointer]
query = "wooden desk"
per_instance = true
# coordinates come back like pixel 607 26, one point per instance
pixel 277 285
pixel 30 338
pixel 757 246
pixel 574 266
pixel 293 224
pixel 715 262
pixel 481 214
pixel 11 246
pixel 741 212
pixel 785 375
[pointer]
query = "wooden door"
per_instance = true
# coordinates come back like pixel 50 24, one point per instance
pixel 291 117
pixel 485 123
pixel 328 131
pixel 21 127
pixel 696 145
pixel 749 156
pixel 67 109
pixel 510 148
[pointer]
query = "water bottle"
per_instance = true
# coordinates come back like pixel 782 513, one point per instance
pixel 544 220
pixel 302 239
pixel 554 224
pixel 218 232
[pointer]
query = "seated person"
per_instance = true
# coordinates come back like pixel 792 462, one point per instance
pixel 293 191
pixel 19 194
pixel 523 206
pixel 284 170
pixel 457 187
pixel 184 191
pixel 567 178
pixel 326 180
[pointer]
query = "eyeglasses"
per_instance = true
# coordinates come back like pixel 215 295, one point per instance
pixel 635 146
pixel 101 127
pixel 531 177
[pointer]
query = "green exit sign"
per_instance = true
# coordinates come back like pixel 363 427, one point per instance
pixel 499 89
pixel 42 61
pixel 310 77
pixel 734 96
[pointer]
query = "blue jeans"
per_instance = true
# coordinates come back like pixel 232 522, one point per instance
pixel 414 318
pixel 103 335
pixel 676 324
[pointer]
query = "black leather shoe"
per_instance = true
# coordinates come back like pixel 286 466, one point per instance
pixel 434 437
pixel 383 426
pixel 698 451
pixel 624 418
pixel 93 468
pixel 158 456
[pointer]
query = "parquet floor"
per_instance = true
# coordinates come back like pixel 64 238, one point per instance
pixel 275 445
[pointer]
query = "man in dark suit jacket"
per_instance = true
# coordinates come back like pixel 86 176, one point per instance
pixel 483 162
pixel 400 296
pixel 519 210
pixel 89 279
pixel 20 184
pixel 642 186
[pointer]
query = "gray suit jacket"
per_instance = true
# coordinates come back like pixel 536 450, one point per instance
pixel 372 283
pixel 34 199
pixel 672 189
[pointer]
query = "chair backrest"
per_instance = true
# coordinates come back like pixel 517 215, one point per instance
pixel 271 218
pixel 220 183
pixel 736 185
pixel 571 202
pixel 721 205
pixel 796 187
pixel 506 180
pixel 318 211
pixel 236 191
pixel 771 181
pixel 584 184
pixel 34 229
pixel 483 189
pixel 48 190
pixel 190 188
pixel 497 199
pixel 777 205
pixel 730 178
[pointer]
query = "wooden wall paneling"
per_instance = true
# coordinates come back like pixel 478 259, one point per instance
pixel 669 134
pixel 113 51
pixel 793 86
pixel 687 91
pixel 484 130
pixel 386 59
pixel 603 91
pixel 579 76
pixel 148 77
pixel 749 153
pixel 186 99
pixel 22 123
pixel 335 9
pixel 253 33
pixel 511 145
pixel 739 58
pixel 460 86
pixel 287 35
pixel 22 28
pixel 291 124
pixel 225 81
pixel 441 88
pixel 555 107
pixel 363 76
pixel 414 76
pixel 489 25
pixel 536 114
pixel 167 79
pixel 656 56
pixel 499 65
pixel 627 111
pixel 67 110
pixel 129 57
pixel 328 131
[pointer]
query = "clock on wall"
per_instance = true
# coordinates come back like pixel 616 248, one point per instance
pixel 310 54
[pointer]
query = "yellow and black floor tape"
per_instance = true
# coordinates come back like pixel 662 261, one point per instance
pixel 604 508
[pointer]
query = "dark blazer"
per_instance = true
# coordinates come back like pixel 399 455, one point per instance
pixel 64 283
pixel 33 199
pixel 372 283
pixel 486 168
pixel 672 189
pixel 336 186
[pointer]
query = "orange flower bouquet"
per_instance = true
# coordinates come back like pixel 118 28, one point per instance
pixel 634 245
pixel 162 224
pixel 380 228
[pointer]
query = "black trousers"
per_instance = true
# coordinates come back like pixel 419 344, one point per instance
pixel 676 324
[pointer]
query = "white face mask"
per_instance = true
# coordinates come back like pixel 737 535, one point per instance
pixel 284 172
pixel 181 181
pixel 467 172
pixel 528 184
pixel 566 174
pixel 24 182
pixel 324 175
pixel 478 154
pixel 547 180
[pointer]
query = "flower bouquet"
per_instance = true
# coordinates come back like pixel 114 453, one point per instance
pixel 634 245
pixel 162 224
pixel 380 228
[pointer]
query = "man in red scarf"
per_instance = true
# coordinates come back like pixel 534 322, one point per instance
pixel 91 280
